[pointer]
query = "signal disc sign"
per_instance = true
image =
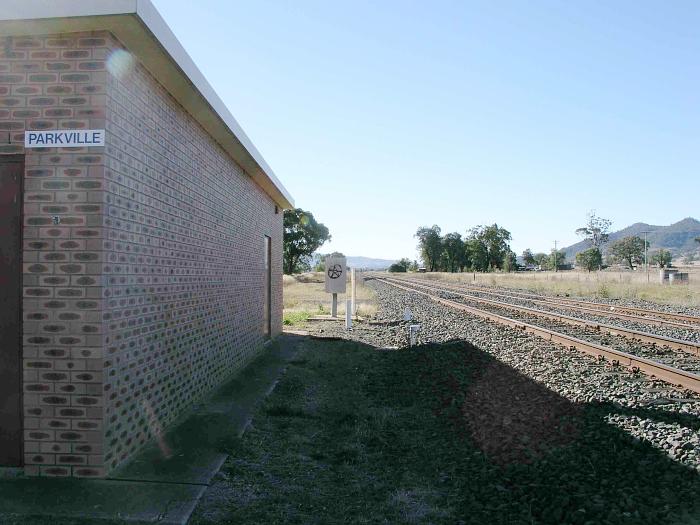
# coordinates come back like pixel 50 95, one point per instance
pixel 336 270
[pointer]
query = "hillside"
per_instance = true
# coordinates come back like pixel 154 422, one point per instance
pixel 678 237
pixel 368 263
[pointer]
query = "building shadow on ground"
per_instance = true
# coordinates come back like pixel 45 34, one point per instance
pixel 557 461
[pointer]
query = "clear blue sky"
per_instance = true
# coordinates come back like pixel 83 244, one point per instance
pixel 380 117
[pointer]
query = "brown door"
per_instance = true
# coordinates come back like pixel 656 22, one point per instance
pixel 267 321
pixel 11 174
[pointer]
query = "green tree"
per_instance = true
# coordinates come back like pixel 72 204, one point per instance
pixel 400 266
pixel 629 250
pixel 453 247
pixel 596 231
pixel 496 240
pixel 321 263
pixel 476 255
pixel 541 260
pixel 303 235
pixel 555 259
pixel 589 259
pixel 510 262
pixel 442 264
pixel 430 246
pixel 528 257
pixel 662 258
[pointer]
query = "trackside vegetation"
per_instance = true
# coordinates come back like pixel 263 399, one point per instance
pixel 353 434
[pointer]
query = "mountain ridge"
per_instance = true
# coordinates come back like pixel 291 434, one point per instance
pixel 678 238
pixel 368 263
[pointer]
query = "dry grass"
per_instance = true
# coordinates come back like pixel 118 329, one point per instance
pixel 304 296
pixel 605 284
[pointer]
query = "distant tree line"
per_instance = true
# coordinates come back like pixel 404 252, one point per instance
pixel 544 261
pixel 487 248
pixel 483 249
pixel 404 265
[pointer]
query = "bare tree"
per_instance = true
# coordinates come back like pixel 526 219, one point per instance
pixel 596 231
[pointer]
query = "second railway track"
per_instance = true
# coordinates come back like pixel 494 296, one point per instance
pixel 653 317
pixel 675 343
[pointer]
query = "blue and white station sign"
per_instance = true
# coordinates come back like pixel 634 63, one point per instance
pixel 64 138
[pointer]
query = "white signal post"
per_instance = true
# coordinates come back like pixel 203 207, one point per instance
pixel 335 280
pixel 353 308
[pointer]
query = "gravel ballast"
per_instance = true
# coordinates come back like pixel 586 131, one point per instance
pixel 575 376
pixel 689 333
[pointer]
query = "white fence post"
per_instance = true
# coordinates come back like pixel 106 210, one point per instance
pixel 353 310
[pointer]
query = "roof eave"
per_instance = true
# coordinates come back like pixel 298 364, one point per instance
pixel 138 25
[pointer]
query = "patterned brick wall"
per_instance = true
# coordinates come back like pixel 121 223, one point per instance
pixel 150 291
pixel 47 83
pixel 184 252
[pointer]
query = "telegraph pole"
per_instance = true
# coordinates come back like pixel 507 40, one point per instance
pixel 556 256
pixel 646 263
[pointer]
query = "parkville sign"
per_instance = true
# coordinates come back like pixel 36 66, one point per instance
pixel 64 138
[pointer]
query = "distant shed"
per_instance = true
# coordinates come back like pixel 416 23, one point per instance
pixel 141 255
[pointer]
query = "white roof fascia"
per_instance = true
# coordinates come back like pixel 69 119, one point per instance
pixel 27 17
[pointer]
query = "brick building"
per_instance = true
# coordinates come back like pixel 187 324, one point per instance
pixel 137 272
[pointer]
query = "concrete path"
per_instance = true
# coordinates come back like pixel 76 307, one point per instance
pixel 164 482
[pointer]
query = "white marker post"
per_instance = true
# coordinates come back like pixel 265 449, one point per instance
pixel 348 314
pixel 413 330
pixel 335 280
pixel 353 309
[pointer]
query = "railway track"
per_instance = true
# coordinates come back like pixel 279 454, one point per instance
pixel 673 343
pixel 645 315
pixel 674 376
pixel 670 329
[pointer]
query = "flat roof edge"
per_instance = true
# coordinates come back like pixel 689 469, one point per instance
pixel 43 9
pixel 17 11
pixel 155 23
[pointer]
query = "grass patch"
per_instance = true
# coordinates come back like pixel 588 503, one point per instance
pixel 295 317
pixel 604 285
pixel 353 435
pixel 305 296
pixel 283 410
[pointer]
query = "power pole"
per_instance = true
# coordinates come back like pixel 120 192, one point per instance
pixel 646 263
pixel 556 254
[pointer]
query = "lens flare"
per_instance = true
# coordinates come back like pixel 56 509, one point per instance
pixel 156 429
pixel 120 64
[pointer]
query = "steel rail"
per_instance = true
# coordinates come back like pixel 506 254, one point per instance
pixel 602 306
pixel 678 344
pixel 604 310
pixel 674 376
